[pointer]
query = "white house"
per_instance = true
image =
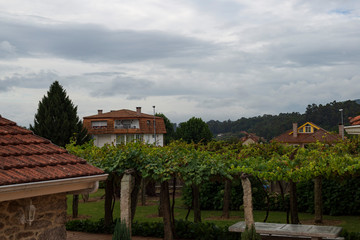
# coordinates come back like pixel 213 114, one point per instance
pixel 123 126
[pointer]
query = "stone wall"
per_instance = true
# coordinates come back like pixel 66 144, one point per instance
pixel 48 224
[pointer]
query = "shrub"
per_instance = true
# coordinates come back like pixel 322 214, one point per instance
pixel 89 226
pixel 148 229
pixel 121 231
pixel 340 197
pixel 183 229
pixel 250 234
pixel 212 195
pixel 350 235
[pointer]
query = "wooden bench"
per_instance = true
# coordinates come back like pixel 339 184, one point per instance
pixel 291 230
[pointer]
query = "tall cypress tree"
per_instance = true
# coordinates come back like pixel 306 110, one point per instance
pixel 56 118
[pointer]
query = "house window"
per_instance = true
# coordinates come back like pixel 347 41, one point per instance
pixel 301 130
pixel 308 129
pixel 129 138
pixel 123 124
pixel 139 137
pixel 120 139
pixel 99 124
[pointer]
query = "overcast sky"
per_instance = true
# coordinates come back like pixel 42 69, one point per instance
pixel 214 59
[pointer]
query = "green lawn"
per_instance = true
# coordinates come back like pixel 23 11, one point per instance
pixel 95 210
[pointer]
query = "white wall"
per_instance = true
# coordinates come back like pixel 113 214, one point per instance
pixel 148 138
pixel 101 139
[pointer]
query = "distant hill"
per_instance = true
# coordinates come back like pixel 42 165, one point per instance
pixel 269 126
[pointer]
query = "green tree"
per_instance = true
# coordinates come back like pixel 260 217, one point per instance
pixel 194 130
pixel 56 118
pixel 170 132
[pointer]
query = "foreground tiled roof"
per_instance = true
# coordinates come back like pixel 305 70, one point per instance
pixel 25 157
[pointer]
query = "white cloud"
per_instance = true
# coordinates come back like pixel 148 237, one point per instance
pixel 216 60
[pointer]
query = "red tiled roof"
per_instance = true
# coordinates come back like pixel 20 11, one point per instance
pixel 320 135
pixel 355 120
pixel 25 157
pixel 146 125
pixel 252 136
pixel 123 113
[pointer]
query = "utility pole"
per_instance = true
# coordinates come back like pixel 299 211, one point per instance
pixel 154 126
pixel 342 123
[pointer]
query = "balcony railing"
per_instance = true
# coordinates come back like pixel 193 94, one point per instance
pixel 125 127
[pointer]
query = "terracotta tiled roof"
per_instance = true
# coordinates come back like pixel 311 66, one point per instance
pixel 146 125
pixel 25 157
pixel 252 136
pixel 320 135
pixel 123 113
pixel 355 120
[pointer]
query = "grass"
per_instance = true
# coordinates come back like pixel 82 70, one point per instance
pixel 95 210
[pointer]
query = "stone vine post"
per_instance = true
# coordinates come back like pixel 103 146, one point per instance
pixel 318 199
pixel 247 198
pixel 125 201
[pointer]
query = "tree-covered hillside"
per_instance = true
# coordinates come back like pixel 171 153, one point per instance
pixel 269 126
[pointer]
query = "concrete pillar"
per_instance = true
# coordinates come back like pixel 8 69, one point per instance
pixel 125 200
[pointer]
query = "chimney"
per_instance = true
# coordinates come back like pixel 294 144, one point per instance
pixel 138 110
pixel 295 127
pixel 341 130
pixel 100 111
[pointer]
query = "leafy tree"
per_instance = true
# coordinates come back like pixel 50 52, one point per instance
pixel 56 118
pixel 194 130
pixel 269 126
pixel 170 132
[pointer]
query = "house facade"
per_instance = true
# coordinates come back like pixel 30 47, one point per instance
pixel 307 133
pixel 123 126
pixel 35 177
pixel 355 126
pixel 251 138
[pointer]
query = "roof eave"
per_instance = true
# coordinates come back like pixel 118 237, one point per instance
pixel 355 129
pixel 66 185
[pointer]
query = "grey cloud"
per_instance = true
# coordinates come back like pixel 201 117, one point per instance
pixel 103 73
pixel 43 79
pixel 137 88
pixel 95 43
pixel 7 50
pixel 122 86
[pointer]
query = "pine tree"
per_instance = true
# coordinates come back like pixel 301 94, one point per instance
pixel 56 118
